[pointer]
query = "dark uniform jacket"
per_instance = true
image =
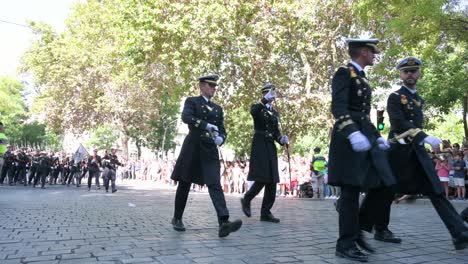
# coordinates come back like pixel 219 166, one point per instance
pixel 411 164
pixel 9 159
pixel 94 164
pixel 351 105
pixel 23 159
pixel 111 161
pixel 263 155
pixel 198 161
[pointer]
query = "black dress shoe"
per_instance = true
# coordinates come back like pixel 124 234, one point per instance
pixel 269 218
pixel 361 242
pixel 386 236
pixel 113 191
pixel 352 253
pixel 178 225
pixel 227 227
pixel 245 207
pixel 461 241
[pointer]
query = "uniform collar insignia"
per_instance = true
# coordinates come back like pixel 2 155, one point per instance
pixel 353 72
pixel 404 100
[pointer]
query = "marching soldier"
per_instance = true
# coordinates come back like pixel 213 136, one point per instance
pixel 55 168
pixel 263 168
pixel 45 164
pixel 20 174
pixel 8 166
pixel 66 170
pixel 111 162
pixel 357 161
pixel 408 157
pixel 198 161
pixel 94 165
pixel 33 168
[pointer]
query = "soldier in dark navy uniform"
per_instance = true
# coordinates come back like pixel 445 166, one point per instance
pixel 45 165
pixel 94 165
pixel 34 166
pixel 408 157
pixel 20 174
pixel 198 161
pixel 263 169
pixel 111 161
pixel 8 169
pixel 357 158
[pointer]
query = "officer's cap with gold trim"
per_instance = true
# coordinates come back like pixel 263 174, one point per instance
pixel 267 87
pixel 359 43
pixel 210 78
pixel 409 63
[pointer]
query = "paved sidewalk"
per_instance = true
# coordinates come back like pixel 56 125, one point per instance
pixel 71 225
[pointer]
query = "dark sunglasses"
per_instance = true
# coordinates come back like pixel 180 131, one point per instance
pixel 212 85
pixel 410 71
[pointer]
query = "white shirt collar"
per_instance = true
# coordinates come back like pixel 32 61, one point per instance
pixel 357 66
pixel 206 99
pixel 269 106
pixel 413 91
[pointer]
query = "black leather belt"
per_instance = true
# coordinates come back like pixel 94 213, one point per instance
pixel 264 133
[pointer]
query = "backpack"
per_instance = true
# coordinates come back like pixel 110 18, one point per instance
pixel 319 164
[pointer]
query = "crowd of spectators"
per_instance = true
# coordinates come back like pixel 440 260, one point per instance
pixel 298 178
pixel 451 165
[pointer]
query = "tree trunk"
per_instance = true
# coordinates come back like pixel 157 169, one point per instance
pixel 162 143
pixel 125 139
pixel 465 124
pixel 138 145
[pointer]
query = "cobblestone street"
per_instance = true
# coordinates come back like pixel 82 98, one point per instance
pixel 71 225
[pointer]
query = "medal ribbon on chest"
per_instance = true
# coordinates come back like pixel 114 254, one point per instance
pixel 416 102
pixel 209 108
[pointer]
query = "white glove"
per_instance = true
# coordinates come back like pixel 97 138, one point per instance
pixel 382 143
pixel 218 140
pixel 359 141
pixel 433 141
pixel 284 140
pixel 270 95
pixel 210 128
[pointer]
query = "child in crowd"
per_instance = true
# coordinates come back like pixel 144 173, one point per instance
pixel 459 175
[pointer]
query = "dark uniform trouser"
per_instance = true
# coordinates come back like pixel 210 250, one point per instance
pixel 348 219
pixel 452 220
pixel 7 171
pixel 375 209
pixel 464 214
pixel 20 174
pixel 109 174
pixel 269 195
pixel 216 195
pixel 380 202
pixel 74 173
pixel 42 173
pixel 32 173
pixel 93 173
